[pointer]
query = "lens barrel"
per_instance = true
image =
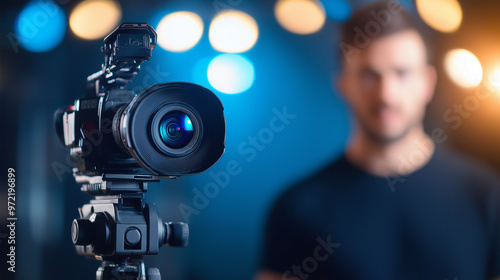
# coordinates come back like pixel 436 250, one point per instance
pixel 172 129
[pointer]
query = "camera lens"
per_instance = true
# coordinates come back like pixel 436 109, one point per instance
pixel 172 129
pixel 176 129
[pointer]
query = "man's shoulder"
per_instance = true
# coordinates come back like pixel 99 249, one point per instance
pixel 447 164
pixel 296 201
pixel 463 166
pixel 316 183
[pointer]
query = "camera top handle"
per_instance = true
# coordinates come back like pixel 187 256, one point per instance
pixel 124 49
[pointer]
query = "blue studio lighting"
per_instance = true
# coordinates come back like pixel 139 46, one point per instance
pixel 199 71
pixel 337 10
pixel 409 5
pixel 188 125
pixel 230 73
pixel 40 26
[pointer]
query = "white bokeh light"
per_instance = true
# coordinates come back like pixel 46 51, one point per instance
pixel 94 19
pixel 494 78
pixel 463 68
pixel 300 16
pixel 179 31
pixel 233 32
pixel 230 73
pixel 442 15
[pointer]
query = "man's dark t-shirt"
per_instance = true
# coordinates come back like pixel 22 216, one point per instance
pixel 440 222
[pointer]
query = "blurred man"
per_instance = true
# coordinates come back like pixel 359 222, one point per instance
pixel 394 206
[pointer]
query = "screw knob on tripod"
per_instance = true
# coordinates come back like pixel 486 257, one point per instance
pixel 177 234
pixel 82 232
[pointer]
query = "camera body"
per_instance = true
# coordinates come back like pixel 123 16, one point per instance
pixel 167 130
pixel 87 130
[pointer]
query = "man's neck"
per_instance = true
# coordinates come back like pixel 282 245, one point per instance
pixel 400 157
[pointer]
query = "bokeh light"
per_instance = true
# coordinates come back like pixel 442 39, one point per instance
pixel 40 26
pixel 463 68
pixel 179 31
pixel 199 71
pixel 442 15
pixel 300 16
pixel 230 73
pixel 337 10
pixel 233 32
pixel 94 19
pixel 494 78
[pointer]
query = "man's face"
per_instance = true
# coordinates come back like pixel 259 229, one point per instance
pixel 388 86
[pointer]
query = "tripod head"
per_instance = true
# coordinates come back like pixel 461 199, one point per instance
pixel 118 229
pixel 120 141
pixel 114 224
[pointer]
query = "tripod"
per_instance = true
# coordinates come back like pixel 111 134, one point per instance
pixel 118 229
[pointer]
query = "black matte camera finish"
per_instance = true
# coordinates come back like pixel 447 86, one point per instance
pixel 140 125
pixel 119 131
pixel 115 131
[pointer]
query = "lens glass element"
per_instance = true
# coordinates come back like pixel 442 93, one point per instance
pixel 176 129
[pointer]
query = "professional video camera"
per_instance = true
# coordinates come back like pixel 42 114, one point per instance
pixel 119 141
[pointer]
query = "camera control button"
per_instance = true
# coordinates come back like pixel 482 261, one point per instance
pixel 132 236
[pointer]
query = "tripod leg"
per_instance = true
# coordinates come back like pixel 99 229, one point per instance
pixel 128 269
pixel 153 274
pixel 106 271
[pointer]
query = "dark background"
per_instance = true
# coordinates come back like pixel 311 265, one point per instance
pixel 296 71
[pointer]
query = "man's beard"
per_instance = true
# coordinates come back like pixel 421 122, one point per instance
pixel 382 139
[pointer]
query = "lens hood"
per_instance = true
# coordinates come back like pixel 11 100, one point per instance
pixel 140 125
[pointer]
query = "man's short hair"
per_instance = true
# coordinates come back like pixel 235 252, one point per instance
pixel 376 20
